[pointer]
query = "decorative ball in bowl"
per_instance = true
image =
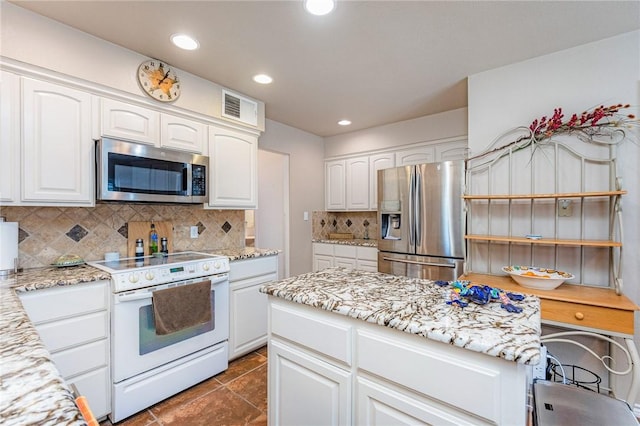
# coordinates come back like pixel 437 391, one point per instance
pixel 538 278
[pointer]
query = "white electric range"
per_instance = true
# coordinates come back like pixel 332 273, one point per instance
pixel 147 367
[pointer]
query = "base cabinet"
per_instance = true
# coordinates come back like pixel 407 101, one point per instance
pixel 248 307
pixel 306 390
pixel 73 323
pixel 321 364
pixel 346 256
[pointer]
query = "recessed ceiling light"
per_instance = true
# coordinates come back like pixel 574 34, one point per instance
pixel 319 7
pixel 262 79
pixel 185 42
pixel 344 122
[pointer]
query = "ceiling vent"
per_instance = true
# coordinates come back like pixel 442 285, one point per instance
pixel 239 108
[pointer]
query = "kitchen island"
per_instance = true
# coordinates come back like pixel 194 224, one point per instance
pixel 355 347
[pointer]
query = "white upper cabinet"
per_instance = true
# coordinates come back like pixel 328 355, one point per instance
pixel 233 175
pixel 57 147
pixel 183 134
pixel 417 155
pixel 9 138
pixel 130 122
pixel 456 150
pixel 335 185
pixel 357 189
pixel 377 162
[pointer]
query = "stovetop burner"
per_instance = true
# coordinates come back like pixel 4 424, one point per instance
pixel 147 261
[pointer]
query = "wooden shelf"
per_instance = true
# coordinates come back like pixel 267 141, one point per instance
pixel 532 196
pixel 545 241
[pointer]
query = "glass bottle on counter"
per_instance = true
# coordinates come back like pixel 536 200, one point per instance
pixel 139 249
pixel 153 240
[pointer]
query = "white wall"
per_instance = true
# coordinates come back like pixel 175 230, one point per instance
pixel 424 129
pixel 604 72
pixel 306 185
pixel 34 39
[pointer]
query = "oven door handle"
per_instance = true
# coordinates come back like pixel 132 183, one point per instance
pixel 149 294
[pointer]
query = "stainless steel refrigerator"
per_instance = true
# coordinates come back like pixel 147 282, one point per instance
pixel 420 213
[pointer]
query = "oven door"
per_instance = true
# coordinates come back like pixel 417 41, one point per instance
pixel 135 346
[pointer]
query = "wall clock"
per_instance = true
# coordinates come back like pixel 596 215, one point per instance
pixel 159 80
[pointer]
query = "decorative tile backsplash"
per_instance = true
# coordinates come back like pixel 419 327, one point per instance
pixel 357 223
pixel 45 233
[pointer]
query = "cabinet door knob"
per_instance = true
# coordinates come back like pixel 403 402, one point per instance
pixel 579 316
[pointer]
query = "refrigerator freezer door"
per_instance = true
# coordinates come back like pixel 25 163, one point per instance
pixel 393 209
pixel 439 191
pixel 432 268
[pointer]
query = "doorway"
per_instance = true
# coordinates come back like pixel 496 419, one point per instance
pixel 271 218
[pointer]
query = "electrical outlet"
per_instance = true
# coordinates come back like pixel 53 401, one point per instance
pixel 194 232
pixel 540 370
pixel 565 209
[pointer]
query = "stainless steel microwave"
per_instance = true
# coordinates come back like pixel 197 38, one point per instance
pixel 134 172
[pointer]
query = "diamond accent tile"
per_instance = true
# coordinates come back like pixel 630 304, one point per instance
pixel 226 227
pixel 366 222
pixel 22 235
pixel 202 228
pixel 124 230
pixel 77 233
pixel 335 222
pixel 348 222
pixel 323 223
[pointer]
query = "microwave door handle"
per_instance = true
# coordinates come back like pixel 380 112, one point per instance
pixel 186 178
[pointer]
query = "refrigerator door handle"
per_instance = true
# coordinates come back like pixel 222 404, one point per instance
pixel 414 262
pixel 412 202
pixel 418 207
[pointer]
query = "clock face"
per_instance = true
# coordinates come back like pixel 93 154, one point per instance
pixel 159 80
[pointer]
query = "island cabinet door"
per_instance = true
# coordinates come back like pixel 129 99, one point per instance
pixel 304 390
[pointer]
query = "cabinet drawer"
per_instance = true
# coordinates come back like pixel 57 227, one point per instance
pixel 428 370
pixel 315 332
pixel 81 359
pixel 95 386
pixel 345 251
pixel 367 253
pixel 74 331
pixel 63 302
pixel 247 268
pixel 617 320
pixel 326 249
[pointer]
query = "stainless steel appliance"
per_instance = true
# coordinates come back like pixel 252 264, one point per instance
pixel 557 404
pixel 148 366
pixel 127 171
pixel 421 218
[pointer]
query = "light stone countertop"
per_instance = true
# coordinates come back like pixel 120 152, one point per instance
pixel 419 307
pixel 32 390
pixel 352 242
pixel 244 253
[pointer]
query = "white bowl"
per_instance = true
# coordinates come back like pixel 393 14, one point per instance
pixel 538 278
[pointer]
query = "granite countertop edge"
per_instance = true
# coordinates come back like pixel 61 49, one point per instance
pixel 348 242
pixel 419 307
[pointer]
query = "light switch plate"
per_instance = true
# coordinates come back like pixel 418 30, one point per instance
pixel 565 208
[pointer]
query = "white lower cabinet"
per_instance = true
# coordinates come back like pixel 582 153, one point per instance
pixel 248 307
pixel 326 255
pixel 323 365
pixel 73 323
pixel 306 390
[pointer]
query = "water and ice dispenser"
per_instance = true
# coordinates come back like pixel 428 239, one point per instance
pixel 391 220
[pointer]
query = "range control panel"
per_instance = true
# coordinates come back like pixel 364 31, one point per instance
pixel 132 279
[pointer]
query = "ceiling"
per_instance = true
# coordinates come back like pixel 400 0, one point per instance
pixel 372 62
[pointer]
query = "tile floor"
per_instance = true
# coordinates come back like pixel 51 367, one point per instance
pixel 237 396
